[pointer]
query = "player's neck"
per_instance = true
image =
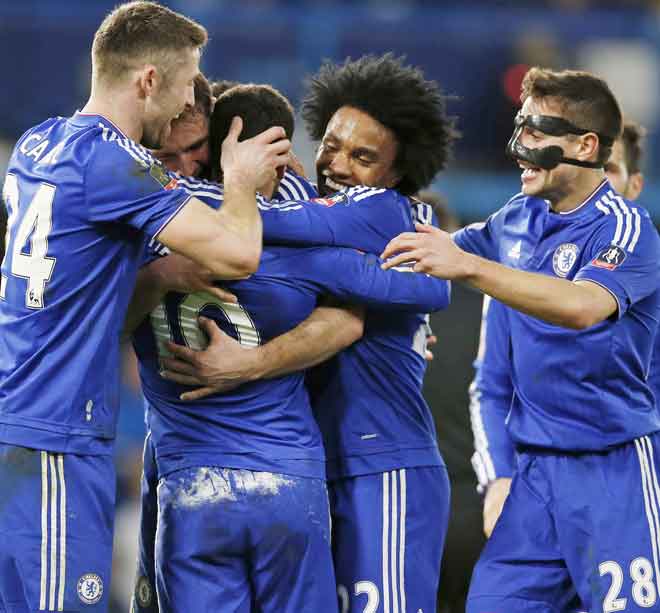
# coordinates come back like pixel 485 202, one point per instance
pixel 119 108
pixel 583 186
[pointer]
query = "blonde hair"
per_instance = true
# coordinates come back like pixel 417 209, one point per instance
pixel 142 32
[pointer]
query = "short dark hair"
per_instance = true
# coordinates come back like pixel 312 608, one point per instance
pixel 259 106
pixel 142 31
pixel 397 96
pixel 633 138
pixel 585 99
pixel 220 86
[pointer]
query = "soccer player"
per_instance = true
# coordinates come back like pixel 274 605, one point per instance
pixel 492 388
pixel 384 136
pixel 578 264
pixel 243 512
pixel 84 199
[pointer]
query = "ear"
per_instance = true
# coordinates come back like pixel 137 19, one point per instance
pixel 635 186
pixel 149 80
pixel 588 146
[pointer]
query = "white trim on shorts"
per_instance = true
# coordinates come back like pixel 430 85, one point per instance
pixel 394 541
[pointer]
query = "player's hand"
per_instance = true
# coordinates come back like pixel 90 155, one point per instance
pixel 296 165
pixel 222 366
pixel 496 495
pixel 177 273
pixel 433 251
pixel 430 341
pixel 254 161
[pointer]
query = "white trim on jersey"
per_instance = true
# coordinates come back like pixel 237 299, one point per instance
pixel 628 220
pixel 305 195
pixel 651 493
pixel 482 460
pixel 367 194
pixel 289 189
pixel 53 534
pixel 394 541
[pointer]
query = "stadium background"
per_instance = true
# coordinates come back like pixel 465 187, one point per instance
pixel 476 49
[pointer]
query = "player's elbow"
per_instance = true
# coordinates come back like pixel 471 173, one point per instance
pixel 353 328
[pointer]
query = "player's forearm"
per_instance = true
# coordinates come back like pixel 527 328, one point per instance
pixel 323 334
pixel 241 221
pixel 557 301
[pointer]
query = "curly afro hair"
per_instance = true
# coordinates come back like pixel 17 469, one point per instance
pixel 396 95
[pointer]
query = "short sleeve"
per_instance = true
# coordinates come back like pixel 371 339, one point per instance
pixel 124 184
pixel 624 258
pixel 478 238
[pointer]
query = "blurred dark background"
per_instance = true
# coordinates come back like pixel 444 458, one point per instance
pixel 477 50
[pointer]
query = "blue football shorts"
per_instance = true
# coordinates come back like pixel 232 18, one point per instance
pixel 388 533
pixel 236 540
pixel 56 524
pixel 578 532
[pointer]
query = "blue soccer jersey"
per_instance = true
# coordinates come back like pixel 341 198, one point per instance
pixel 579 390
pixel 265 425
pixel 83 200
pixel 368 399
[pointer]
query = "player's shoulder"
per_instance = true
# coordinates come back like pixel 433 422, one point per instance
pixel 622 222
pixel 208 191
pixel 295 187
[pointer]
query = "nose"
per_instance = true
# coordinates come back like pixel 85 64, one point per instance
pixel 339 165
pixel 190 97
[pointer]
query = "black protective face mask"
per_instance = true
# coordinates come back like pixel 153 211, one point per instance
pixel 548 157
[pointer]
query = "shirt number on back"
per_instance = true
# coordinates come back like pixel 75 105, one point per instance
pixel 187 314
pixel 29 262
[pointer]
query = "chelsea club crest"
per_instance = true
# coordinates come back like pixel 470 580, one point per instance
pixel 90 588
pixel 564 258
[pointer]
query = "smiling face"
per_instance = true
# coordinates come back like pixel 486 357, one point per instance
pixel 553 185
pixel 186 150
pixel 170 98
pixel 356 150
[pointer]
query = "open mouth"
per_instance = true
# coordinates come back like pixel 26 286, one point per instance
pixel 529 173
pixel 333 185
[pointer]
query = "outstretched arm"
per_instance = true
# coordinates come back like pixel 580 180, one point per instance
pixel 226 364
pixel 572 304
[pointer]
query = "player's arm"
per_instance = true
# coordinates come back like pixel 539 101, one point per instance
pixel 226 364
pixel 355 277
pixel 170 273
pixel 227 241
pixel 572 304
pixel 491 392
pixel 363 220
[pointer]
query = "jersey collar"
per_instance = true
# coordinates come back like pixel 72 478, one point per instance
pixel 588 205
pixel 86 119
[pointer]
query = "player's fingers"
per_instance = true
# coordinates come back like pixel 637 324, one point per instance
pixel 178 366
pixel 235 130
pixel 182 352
pixel 431 340
pixel 404 241
pixel 427 229
pixel 428 355
pixel 397 260
pixel 202 392
pixel 271 135
pixel 212 329
pixel 281 147
pixel 222 294
pixel 179 378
